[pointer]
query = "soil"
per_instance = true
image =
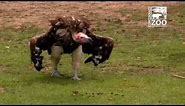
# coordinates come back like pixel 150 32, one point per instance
pixel 18 13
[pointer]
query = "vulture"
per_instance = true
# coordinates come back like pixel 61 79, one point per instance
pixel 70 34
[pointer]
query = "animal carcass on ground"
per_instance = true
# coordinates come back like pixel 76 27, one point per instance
pixel 70 34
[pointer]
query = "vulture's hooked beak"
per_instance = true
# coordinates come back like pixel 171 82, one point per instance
pixel 89 40
pixel 82 38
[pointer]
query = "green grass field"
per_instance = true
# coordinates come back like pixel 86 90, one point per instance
pixel 140 69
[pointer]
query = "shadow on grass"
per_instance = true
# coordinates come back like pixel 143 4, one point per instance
pixel 176 58
pixel 43 78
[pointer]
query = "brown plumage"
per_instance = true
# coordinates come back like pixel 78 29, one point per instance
pixel 71 24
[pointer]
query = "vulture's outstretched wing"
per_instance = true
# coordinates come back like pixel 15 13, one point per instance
pixel 100 48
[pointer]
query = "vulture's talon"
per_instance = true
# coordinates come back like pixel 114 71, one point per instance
pixel 76 78
pixel 56 74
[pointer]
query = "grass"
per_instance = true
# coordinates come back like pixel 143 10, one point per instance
pixel 138 71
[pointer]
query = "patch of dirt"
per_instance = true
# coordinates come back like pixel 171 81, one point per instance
pixel 139 69
pixel 3 68
pixel 2 90
pixel 18 13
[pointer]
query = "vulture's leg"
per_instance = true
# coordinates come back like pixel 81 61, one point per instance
pixel 56 52
pixel 76 57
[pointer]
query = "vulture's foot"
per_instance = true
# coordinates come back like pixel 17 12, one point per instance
pixel 56 74
pixel 76 78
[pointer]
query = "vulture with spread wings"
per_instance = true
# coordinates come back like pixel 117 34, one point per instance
pixel 70 34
